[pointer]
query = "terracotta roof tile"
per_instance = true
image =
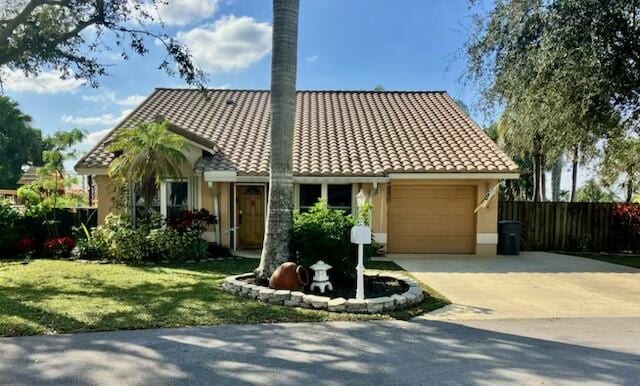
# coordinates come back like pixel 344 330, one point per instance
pixel 346 133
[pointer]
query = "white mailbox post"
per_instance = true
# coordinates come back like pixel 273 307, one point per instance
pixel 360 234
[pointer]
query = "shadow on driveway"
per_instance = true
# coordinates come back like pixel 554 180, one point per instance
pixel 416 352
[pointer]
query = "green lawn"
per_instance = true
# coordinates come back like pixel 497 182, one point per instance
pixel 53 296
pixel 628 260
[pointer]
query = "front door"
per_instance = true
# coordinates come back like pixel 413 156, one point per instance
pixel 250 216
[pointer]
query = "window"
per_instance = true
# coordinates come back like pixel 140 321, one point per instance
pixel 309 195
pixel 171 198
pixel 339 197
pixel 139 204
pixel 177 197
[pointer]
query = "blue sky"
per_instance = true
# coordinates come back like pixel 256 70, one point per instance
pixel 343 44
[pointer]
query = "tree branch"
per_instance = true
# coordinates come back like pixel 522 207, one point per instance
pixel 12 24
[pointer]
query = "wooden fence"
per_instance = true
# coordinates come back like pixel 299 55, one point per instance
pixel 564 226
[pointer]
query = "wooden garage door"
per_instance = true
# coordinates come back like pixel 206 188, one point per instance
pixel 431 219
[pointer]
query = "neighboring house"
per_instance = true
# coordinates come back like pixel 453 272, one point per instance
pixel 423 163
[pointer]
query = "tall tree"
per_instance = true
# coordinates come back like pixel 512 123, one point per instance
pixel 554 67
pixel 147 153
pixel 276 245
pixel 69 36
pixel 622 161
pixel 20 143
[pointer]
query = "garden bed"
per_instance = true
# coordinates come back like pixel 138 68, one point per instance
pixel 386 292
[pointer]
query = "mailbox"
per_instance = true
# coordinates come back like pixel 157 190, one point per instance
pixel 361 234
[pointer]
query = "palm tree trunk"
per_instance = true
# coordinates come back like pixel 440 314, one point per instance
pixel 275 247
pixel 574 173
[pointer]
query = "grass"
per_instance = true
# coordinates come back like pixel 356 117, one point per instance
pixel 628 260
pixel 54 296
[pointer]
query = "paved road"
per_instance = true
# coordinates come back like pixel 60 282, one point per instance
pixel 565 351
pixel 532 285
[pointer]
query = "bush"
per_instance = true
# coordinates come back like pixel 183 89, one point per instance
pixel 325 234
pixel 626 225
pixel 121 240
pixel 9 224
pixel 59 246
pixel 192 221
pixel 90 249
pixel 168 243
pixel 26 245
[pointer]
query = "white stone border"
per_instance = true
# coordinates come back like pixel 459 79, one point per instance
pixel 237 285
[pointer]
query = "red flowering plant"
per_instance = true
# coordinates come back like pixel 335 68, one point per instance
pixel 627 225
pixel 59 246
pixel 26 245
pixel 191 221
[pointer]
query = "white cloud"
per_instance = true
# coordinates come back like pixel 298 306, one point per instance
pixel 94 137
pixel 182 12
pixel 231 43
pixel 312 59
pixel 47 82
pixel 98 120
pixel 111 97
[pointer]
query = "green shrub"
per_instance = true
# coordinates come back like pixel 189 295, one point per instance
pixel 168 243
pixel 121 240
pixel 90 249
pixel 9 224
pixel 325 234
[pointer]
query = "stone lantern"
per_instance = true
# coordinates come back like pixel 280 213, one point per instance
pixel 320 277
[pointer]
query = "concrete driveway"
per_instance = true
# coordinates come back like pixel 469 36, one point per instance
pixel 532 285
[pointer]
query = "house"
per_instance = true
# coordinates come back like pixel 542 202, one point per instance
pixel 422 162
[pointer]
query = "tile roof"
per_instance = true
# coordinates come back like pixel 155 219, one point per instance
pixel 337 133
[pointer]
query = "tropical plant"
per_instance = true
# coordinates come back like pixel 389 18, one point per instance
pixel 73 37
pixel 20 143
pixel 173 245
pixel 26 246
pixel 49 191
pixel 626 225
pixel 146 153
pixel 59 246
pixel 9 227
pixel 622 160
pixel 592 191
pixel 192 221
pixel 121 240
pixel 323 233
pixel 277 235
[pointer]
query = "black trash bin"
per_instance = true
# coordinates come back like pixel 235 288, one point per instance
pixel 509 236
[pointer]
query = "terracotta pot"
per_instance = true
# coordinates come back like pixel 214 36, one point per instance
pixel 289 276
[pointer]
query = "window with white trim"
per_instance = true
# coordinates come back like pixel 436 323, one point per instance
pixel 172 198
pixel 139 204
pixel 177 198
pixel 337 196
pixel 309 195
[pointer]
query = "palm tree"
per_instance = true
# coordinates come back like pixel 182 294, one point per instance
pixel 275 248
pixel 147 153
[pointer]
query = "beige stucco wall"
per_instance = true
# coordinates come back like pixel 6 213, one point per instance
pixel 105 195
pixel 221 193
pixel 225 213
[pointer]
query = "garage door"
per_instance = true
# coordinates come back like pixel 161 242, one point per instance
pixel 431 219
